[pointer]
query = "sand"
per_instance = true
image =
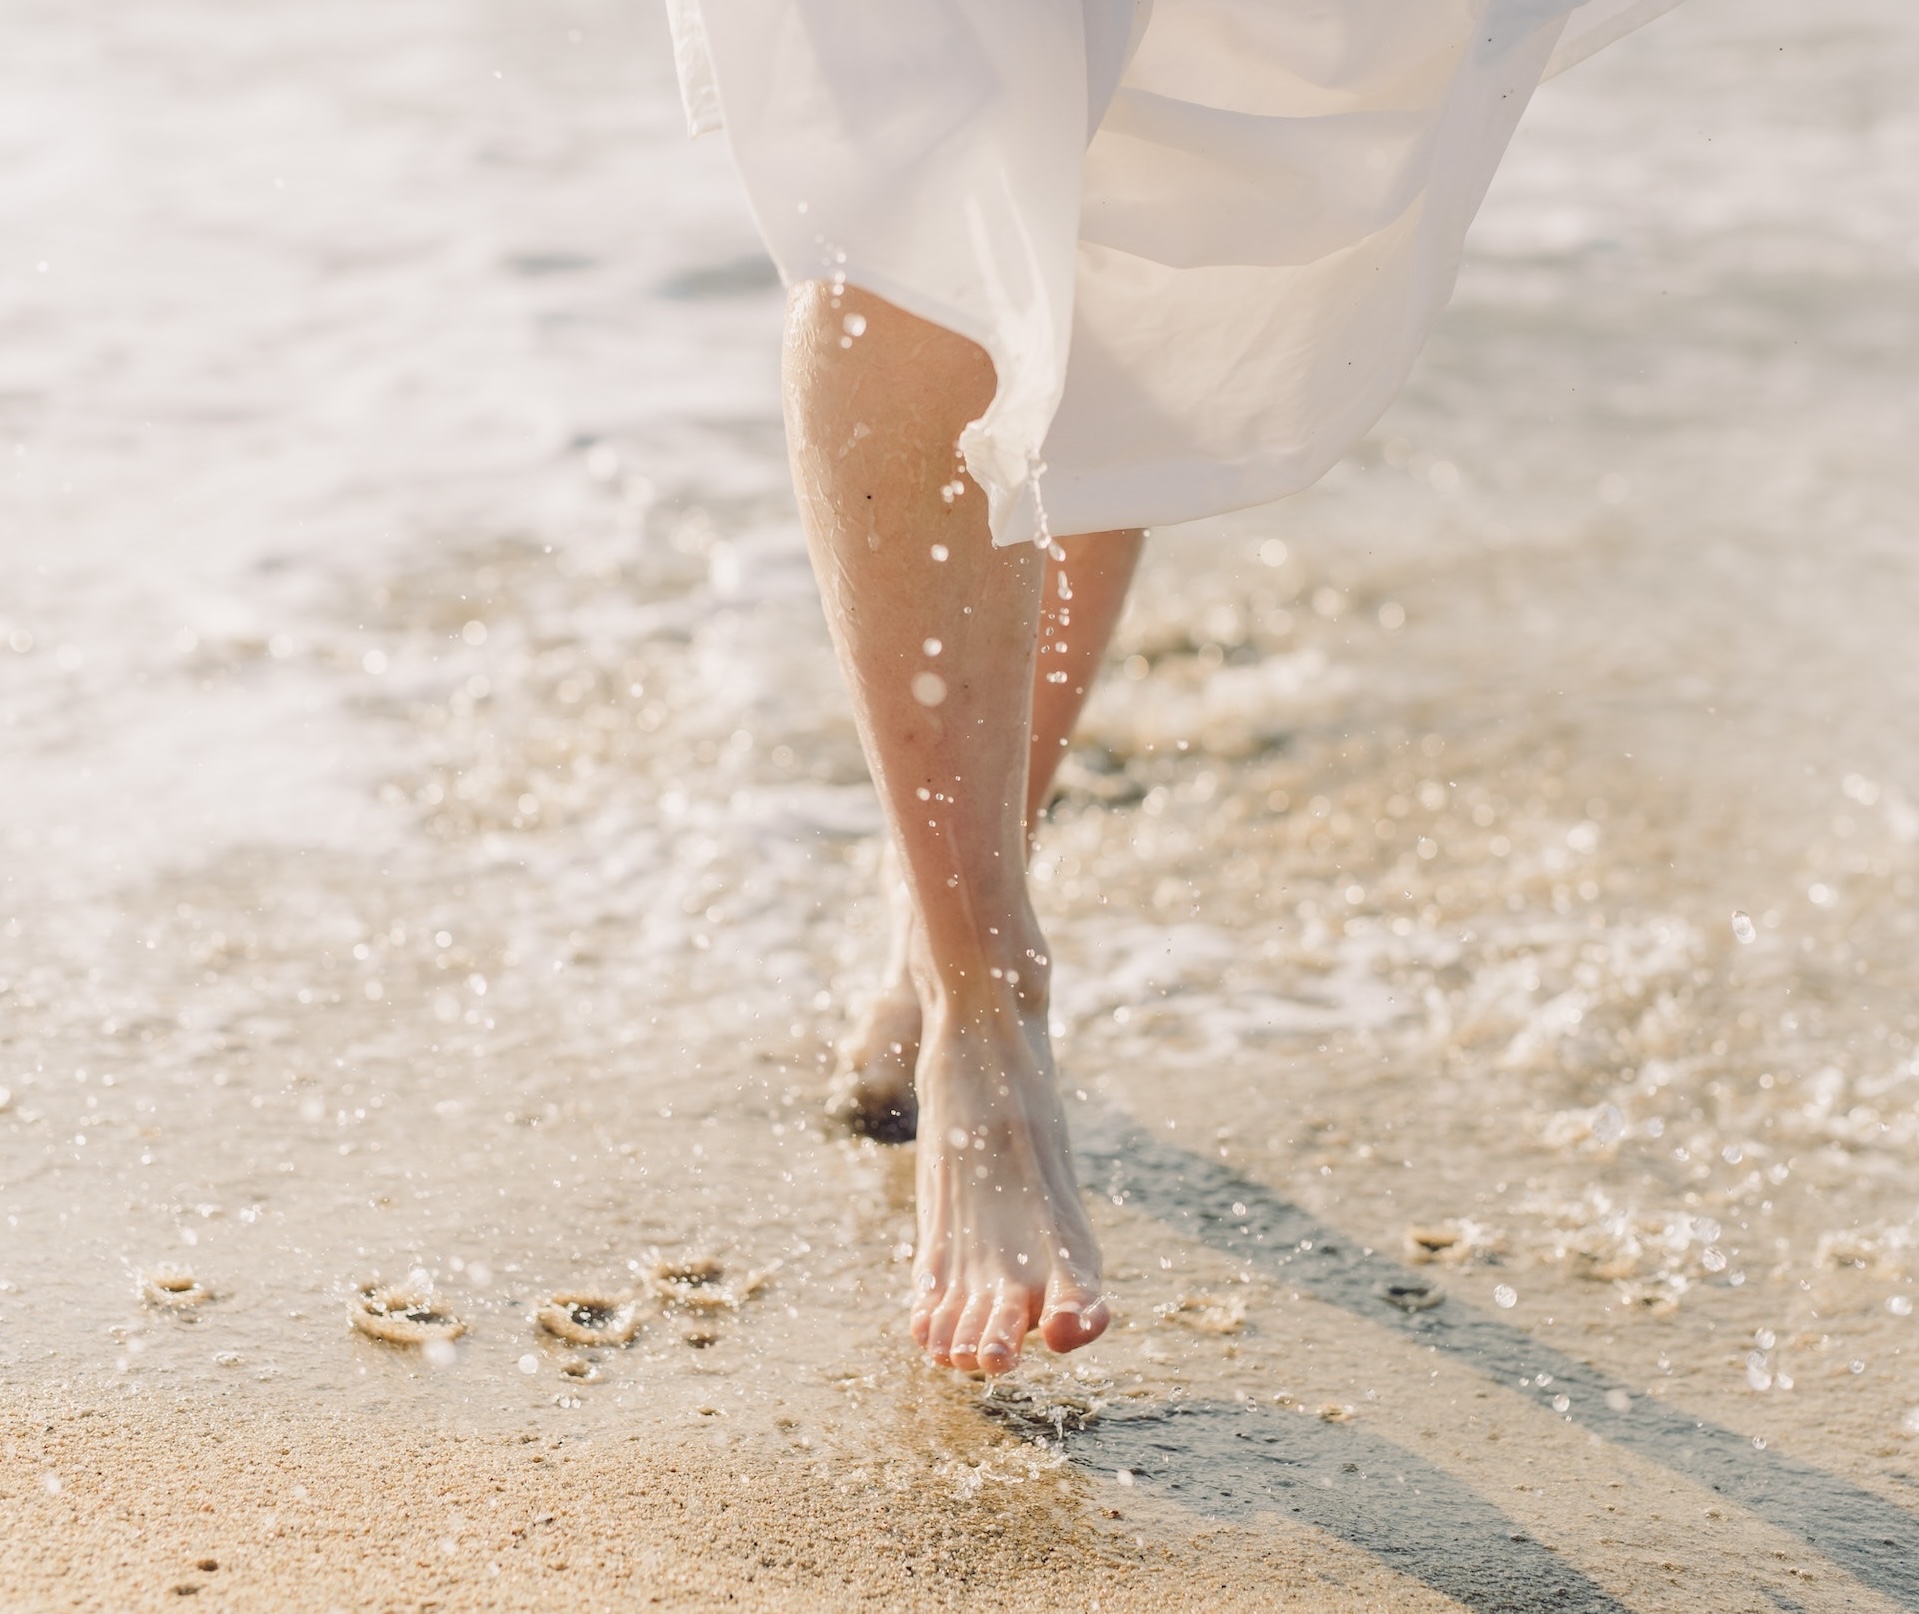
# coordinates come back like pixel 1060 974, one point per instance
pixel 283 1512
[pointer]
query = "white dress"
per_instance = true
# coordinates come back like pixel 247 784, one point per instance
pixel 1202 240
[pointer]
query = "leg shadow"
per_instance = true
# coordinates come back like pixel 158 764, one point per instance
pixel 1237 1463
pixel 1869 1537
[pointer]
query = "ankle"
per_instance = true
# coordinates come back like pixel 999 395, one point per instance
pixel 1015 979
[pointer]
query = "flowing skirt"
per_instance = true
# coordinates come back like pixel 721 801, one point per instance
pixel 1201 240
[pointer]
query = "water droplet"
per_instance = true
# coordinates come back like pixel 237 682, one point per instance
pixel 1562 1403
pixel 932 647
pixel 1712 1260
pixel 929 689
pixel 1899 1306
pixel 1124 1476
pixel 940 551
pixel 1742 926
pixel 854 324
pixel 529 1363
pixel 1505 1297
pixel 1618 1401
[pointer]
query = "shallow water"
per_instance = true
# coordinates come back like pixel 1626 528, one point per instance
pixel 436 851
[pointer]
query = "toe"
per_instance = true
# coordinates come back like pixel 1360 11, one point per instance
pixel 968 1331
pixel 940 1330
pixel 1005 1330
pixel 927 1295
pixel 1075 1315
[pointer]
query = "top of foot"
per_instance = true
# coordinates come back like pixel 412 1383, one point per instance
pixel 1004 1244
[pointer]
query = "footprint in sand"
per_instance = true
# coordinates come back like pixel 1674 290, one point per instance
pixel 587 1318
pixel 1205 1314
pixel 402 1318
pixel 697 1286
pixel 173 1289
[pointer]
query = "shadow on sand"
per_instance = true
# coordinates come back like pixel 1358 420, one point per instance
pixel 1234 1462
pixel 1231 1461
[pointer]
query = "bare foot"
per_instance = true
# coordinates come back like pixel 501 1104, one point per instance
pixel 872 1090
pixel 1004 1245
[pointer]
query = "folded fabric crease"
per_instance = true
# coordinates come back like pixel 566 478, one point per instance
pixel 1201 304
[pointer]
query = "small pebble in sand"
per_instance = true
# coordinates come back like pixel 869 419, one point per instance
pixel 1333 1413
pixel 174 1288
pixel 579 1368
pixel 590 1319
pixel 1454 1243
pixel 700 1338
pixel 1410 1294
pixel 400 1317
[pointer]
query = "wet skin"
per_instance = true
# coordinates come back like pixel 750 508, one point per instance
pixel 940 637
pixel 1083 597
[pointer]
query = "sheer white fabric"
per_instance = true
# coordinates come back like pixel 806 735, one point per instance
pixel 1202 240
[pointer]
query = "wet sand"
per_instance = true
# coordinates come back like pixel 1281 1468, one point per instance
pixel 437 858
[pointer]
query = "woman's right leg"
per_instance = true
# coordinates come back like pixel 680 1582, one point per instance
pixel 937 633
pixel 1082 599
